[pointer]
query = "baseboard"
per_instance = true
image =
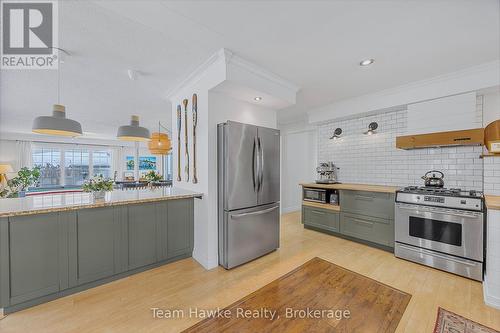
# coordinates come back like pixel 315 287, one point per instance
pixel 489 299
pixel 290 209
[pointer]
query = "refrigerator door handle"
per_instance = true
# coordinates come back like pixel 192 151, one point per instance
pixel 254 166
pixel 260 212
pixel 261 165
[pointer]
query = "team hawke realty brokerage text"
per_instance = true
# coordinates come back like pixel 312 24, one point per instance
pixel 242 313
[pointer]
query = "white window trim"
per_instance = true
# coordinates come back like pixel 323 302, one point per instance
pixel 63 147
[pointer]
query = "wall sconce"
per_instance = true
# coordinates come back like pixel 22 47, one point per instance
pixel 371 128
pixel 336 133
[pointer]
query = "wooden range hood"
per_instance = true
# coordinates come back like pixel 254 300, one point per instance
pixel 474 137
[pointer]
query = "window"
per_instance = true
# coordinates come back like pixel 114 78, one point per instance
pixel 49 162
pixel 70 165
pixel 102 163
pixel 76 167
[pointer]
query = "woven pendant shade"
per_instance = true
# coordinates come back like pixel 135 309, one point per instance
pixel 160 144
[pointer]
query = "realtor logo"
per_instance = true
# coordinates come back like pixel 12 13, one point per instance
pixel 29 35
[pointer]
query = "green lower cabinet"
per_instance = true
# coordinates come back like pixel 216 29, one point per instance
pixel 180 227
pixel 92 246
pixel 142 232
pixel 36 254
pixel 368 228
pixel 320 218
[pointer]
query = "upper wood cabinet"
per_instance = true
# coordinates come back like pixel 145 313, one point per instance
pixel 452 138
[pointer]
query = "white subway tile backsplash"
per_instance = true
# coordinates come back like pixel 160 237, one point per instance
pixel 375 159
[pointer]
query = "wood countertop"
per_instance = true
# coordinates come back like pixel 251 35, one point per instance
pixel 354 187
pixel 50 203
pixel 492 201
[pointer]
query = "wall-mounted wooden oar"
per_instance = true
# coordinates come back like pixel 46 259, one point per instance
pixel 195 123
pixel 186 169
pixel 179 127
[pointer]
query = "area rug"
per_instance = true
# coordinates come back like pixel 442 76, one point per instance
pixel 315 297
pixel 449 322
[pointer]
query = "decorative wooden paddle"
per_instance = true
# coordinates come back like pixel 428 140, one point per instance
pixel 179 127
pixel 195 123
pixel 186 169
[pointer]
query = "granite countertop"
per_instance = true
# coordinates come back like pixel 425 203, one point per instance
pixel 48 203
pixel 492 201
pixel 354 187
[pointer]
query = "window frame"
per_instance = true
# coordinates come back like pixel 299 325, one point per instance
pixel 66 147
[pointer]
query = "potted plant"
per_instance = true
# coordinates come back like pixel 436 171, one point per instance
pixel 153 176
pixel 25 178
pixel 98 186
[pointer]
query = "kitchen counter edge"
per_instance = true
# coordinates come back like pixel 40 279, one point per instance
pixel 353 187
pixel 99 204
pixel 492 201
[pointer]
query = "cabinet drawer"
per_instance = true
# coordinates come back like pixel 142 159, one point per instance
pixel 321 218
pixel 368 203
pixel 376 230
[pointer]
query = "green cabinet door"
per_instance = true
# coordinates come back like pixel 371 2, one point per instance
pixel 320 218
pixel 37 255
pixel 180 227
pixel 142 235
pixel 92 245
pixel 368 203
pixel 369 228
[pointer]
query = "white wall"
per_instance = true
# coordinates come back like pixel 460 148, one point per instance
pixel 9 154
pixel 298 155
pixel 376 160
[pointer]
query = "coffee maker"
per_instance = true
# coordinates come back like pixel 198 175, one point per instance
pixel 327 173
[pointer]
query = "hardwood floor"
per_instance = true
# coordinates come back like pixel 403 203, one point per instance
pixel 317 296
pixel 126 305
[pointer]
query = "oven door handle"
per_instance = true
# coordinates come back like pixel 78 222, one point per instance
pixel 418 209
pixel 437 255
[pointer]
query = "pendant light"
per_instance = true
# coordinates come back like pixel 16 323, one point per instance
pixel 57 124
pixel 160 143
pixel 133 132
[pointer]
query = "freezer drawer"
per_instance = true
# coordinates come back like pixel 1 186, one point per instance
pixel 248 234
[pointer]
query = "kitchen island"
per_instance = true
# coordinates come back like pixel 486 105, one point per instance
pixel 58 244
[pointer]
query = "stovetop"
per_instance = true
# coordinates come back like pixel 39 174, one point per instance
pixel 453 198
pixel 440 191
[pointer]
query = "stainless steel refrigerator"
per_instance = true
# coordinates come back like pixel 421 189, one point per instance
pixel 249 192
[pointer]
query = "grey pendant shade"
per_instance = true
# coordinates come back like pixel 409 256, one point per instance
pixel 133 132
pixel 57 124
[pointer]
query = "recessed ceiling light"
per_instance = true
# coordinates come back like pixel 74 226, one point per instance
pixel 366 62
pixel 257 98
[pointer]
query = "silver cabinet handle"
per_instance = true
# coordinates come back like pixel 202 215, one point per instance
pixel 367 223
pixel 317 212
pixel 260 212
pixel 365 198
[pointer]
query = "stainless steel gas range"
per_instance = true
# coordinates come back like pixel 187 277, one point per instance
pixel 441 228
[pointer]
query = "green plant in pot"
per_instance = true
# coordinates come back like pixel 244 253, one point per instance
pixel 153 176
pixel 25 178
pixel 98 185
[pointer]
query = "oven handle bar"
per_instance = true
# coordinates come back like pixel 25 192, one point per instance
pixel 416 209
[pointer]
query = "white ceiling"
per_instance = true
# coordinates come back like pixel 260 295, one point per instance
pixel 315 44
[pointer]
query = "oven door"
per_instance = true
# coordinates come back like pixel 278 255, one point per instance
pixel 450 231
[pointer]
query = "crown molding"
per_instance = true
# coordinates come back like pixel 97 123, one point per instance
pixel 229 58
pixel 194 75
pixel 233 59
